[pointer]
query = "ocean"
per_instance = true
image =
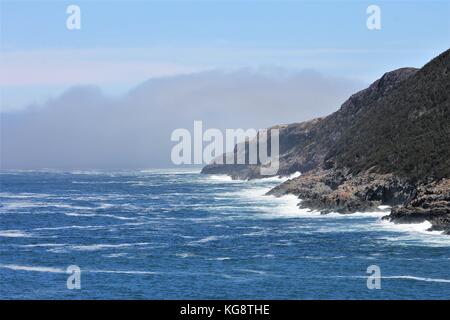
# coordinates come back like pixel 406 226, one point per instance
pixel 177 234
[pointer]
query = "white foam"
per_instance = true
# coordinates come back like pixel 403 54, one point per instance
pixel 253 271
pixel 23 195
pixel 137 272
pixel 270 206
pixel 89 227
pixel 32 268
pixel 222 178
pixel 263 256
pixel 44 245
pixel 280 179
pixel 95 247
pixel 172 171
pixel 323 257
pixel 185 255
pixel 14 234
pixel 411 234
pixel 206 239
pixel 86 172
pixel 98 182
pixel 10 206
pixel 60 270
pixel 115 255
pixel 105 206
pixel 410 227
pixel 407 277
pixel 73 214
pixel 399 277
pixel 20 205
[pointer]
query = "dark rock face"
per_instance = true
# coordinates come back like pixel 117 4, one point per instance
pixel 387 144
pixel 404 131
pixel 430 202
pixel 295 153
pixel 340 191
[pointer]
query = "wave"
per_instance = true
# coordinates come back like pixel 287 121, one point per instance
pixel 268 206
pixel 60 270
pixel 140 272
pixel 268 256
pixel 281 179
pixel 24 195
pixel 137 272
pixel 413 233
pixel 95 247
pixel 85 215
pixel 407 277
pixel 253 271
pixel 185 255
pixel 85 172
pixel 32 268
pixel 98 182
pixel 89 227
pixel 65 247
pixel 177 171
pixel 422 227
pixel 115 255
pixel 399 277
pixel 221 178
pixel 324 257
pixel 220 258
pixel 42 245
pixel 224 178
pixel 10 206
pixel 14 234
pixel 206 239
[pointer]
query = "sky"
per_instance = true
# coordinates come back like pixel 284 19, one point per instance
pixel 306 57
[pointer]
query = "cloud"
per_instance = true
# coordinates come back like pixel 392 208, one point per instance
pixel 85 129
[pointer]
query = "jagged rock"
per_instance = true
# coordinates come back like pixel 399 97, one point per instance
pixel 340 191
pixel 430 202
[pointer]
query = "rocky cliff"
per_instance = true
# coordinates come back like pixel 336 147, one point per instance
pixel 386 145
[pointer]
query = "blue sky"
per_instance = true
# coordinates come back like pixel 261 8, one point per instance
pixel 122 43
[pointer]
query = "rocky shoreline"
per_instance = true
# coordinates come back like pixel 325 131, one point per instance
pixel 430 202
pixel 338 191
pixel 388 144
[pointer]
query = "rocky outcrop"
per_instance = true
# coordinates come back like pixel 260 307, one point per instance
pixel 430 202
pixel 386 145
pixel 296 153
pixel 340 191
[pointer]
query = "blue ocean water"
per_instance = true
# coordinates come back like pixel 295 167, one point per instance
pixel 177 234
